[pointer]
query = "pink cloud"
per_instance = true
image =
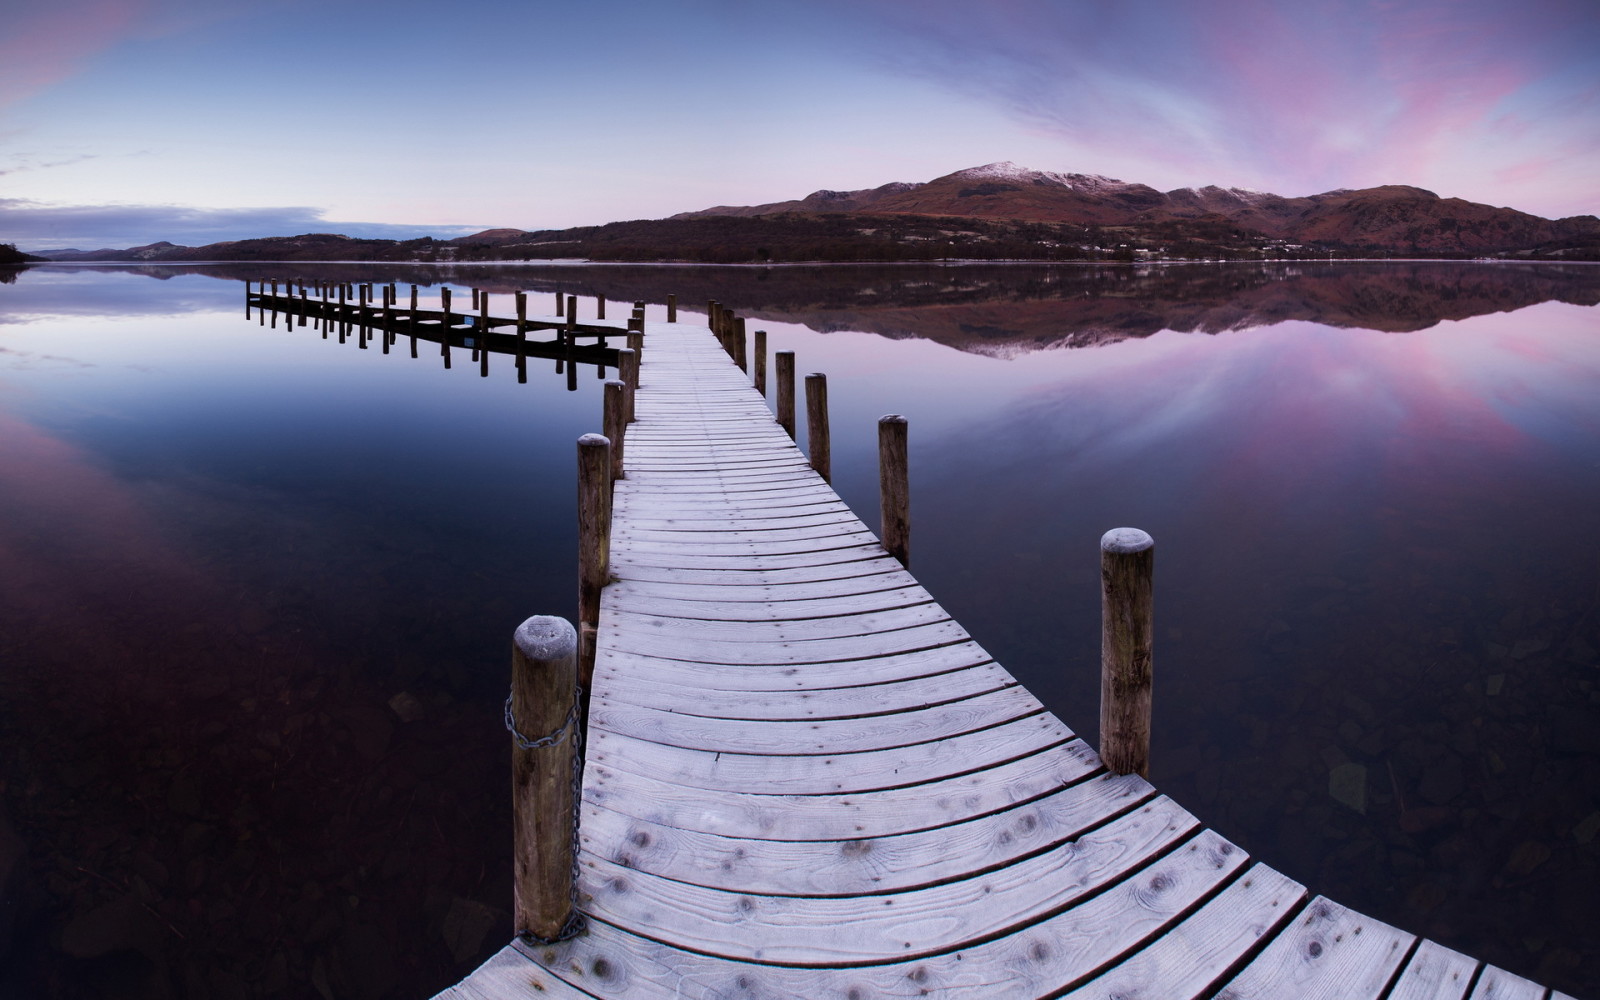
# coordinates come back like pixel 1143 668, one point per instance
pixel 49 42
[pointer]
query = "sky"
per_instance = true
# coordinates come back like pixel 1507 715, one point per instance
pixel 124 122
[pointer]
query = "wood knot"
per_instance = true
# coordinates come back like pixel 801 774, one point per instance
pixel 1314 949
pixel 855 848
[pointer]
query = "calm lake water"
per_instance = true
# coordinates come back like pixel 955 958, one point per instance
pixel 257 586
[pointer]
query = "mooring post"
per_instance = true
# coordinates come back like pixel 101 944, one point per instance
pixel 594 543
pixel 894 488
pixel 546 770
pixel 599 307
pixel 482 326
pixel 817 425
pixel 761 362
pixel 636 342
pixel 628 371
pixel 672 307
pixel 785 360
pixel 572 312
pixel 741 346
pixel 1127 562
pixel 616 421
pixel 712 305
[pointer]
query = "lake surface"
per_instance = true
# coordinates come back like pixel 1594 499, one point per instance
pixel 258 586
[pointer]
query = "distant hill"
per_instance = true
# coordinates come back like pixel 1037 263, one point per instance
pixel 995 212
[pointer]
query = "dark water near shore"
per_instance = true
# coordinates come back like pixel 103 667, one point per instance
pixel 256 587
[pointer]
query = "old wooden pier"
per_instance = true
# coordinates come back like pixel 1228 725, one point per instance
pixel 801 779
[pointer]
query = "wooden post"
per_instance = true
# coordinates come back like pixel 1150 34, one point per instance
pixel 594 543
pixel 761 362
pixel 572 311
pixel 785 360
pixel 636 342
pixel 543 718
pixel 672 307
pixel 817 425
pixel 1127 562
pixel 599 307
pixel 712 306
pixel 616 421
pixel 894 488
pixel 481 334
pixel 741 345
pixel 628 370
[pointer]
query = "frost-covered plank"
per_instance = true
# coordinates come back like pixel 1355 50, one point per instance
pixel 1498 984
pixel 827 773
pixel 1434 973
pixel 613 666
pixel 805 704
pixel 1059 820
pixel 853 815
pixel 1326 953
pixel 848 735
pixel 865 926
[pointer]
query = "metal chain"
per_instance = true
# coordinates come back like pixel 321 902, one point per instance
pixel 575 920
pixel 550 740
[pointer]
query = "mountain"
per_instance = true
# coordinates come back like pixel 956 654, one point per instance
pixel 1388 218
pixel 995 212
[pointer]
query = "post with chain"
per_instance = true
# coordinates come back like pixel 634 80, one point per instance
pixel 818 443
pixel 784 360
pixel 546 777
pixel 1127 565
pixel 594 543
pixel 894 488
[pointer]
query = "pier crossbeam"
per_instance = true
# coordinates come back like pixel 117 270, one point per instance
pixel 804 780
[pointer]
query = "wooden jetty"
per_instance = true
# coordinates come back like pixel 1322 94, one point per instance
pixel 375 313
pixel 803 780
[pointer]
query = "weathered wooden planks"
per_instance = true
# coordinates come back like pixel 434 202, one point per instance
pixel 804 780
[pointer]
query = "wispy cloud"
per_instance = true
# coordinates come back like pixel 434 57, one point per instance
pixel 1298 98
pixel 36 226
pixel 24 163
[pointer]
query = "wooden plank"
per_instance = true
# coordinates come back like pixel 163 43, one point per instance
pixel 512 973
pixel 1498 984
pixel 776 608
pixel 865 926
pixel 859 625
pixel 764 815
pixel 800 705
pixel 703 595
pixel 1184 961
pixel 1326 953
pixel 734 542
pixel 825 773
pixel 1033 960
pixel 1434 973
pixel 794 651
pixel 683 565
pixel 848 735
pixel 847 564
pixel 902 861
pixel 693 675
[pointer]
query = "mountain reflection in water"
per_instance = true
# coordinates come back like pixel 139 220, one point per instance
pixel 258 585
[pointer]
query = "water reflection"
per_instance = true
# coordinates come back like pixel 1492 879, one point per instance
pixel 262 584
